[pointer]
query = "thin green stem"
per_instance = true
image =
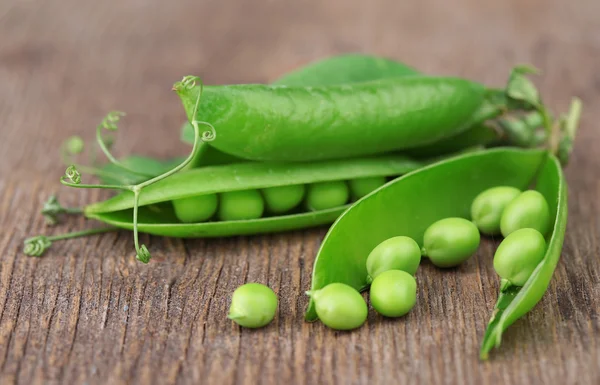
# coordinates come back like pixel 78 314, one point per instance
pixel 110 123
pixel 102 186
pixel 82 233
pixel 36 246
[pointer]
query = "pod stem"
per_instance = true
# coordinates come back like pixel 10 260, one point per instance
pixel 36 246
pixel 505 284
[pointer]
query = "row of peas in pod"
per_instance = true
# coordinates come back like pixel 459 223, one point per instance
pixel 521 217
pixel 253 204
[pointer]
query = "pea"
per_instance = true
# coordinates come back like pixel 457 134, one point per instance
pixel 451 241
pixel 397 253
pixel 362 186
pixel 326 195
pixel 488 206
pixel 393 293
pixel 195 209
pixel 528 210
pixel 253 305
pixel 518 255
pixel 283 198
pixel 240 205
pixel 339 306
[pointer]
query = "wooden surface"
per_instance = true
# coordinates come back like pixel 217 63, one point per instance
pixel 87 313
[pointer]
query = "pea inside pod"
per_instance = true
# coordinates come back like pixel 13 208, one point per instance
pixel 450 241
pixel 360 187
pixel 241 205
pixel 488 206
pixel 326 195
pixel 518 255
pixel 282 199
pixel 195 209
pixel 528 210
pixel 396 253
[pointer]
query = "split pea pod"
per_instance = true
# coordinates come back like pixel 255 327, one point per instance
pixel 156 214
pixel 270 122
pixel 408 205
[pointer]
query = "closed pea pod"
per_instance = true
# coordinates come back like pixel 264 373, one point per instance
pixel 253 305
pixel 528 210
pixel 518 255
pixel 488 206
pixel 344 69
pixel 396 253
pixel 450 241
pixel 340 306
pixel 393 293
pixel 327 122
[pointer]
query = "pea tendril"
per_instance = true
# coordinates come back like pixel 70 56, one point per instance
pixel 37 245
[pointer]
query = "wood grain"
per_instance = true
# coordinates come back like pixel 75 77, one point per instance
pixel 87 313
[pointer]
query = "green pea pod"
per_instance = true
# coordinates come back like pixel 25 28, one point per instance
pixel 340 69
pixel 338 121
pixel 158 218
pixel 515 302
pixel 346 68
pixel 409 204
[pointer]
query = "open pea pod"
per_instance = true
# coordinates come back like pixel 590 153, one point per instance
pixel 156 214
pixel 515 302
pixel 409 204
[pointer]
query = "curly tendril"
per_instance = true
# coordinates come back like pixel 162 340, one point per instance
pixel 210 134
pixel 187 83
pixel 36 246
pixel 110 123
pixel 143 255
pixel 72 174
pixel 111 119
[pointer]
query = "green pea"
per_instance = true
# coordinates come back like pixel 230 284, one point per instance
pixel 451 241
pixel 362 186
pixel 518 255
pixel 339 306
pixel 488 206
pixel 397 253
pixel 283 198
pixel 326 195
pixel 240 205
pixel 528 210
pixel 195 209
pixel 253 305
pixel 393 293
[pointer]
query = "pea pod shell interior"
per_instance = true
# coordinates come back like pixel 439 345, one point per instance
pixel 409 204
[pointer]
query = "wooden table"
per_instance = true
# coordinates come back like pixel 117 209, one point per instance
pixel 88 313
